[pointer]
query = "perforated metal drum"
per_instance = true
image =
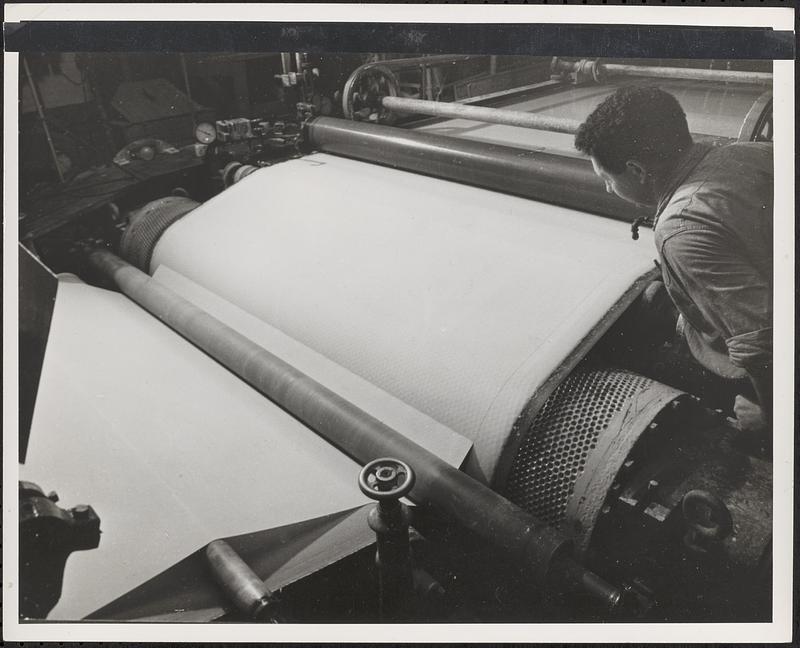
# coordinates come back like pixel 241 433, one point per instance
pixel 554 451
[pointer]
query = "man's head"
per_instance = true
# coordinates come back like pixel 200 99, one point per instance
pixel 634 138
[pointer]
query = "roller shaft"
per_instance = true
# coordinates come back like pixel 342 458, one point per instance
pixel 557 179
pixel 690 74
pixel 482 114
pixel 661 72
pixel 240 583
pixel 536 545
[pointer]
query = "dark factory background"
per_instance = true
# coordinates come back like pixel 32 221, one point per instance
pixel 96 103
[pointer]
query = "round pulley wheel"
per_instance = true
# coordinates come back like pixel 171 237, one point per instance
pixel 364 92
pixel 228 173
pixel 386 479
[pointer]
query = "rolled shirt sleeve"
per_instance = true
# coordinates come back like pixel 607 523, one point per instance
pixel 720 292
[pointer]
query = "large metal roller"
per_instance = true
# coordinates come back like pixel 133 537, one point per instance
pixel 542 550
pixel 482 114
pixel 555 179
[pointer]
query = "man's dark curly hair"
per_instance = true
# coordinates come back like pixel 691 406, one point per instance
pixel 635 123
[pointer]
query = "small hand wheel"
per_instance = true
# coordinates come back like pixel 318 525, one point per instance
pixel 708 520
pixel 386 479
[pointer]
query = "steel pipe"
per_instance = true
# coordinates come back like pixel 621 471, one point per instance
pixel 693 74
pixel 477 113
pixel 436 59
pixel 542 551
pixel 557 179
pixel 657 71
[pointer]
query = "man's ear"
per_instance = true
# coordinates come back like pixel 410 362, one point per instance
pixel 637 170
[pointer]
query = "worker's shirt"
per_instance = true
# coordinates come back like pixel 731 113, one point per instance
pixel 714 238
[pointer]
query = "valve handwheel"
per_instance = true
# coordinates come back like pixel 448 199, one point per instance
pixel 386 479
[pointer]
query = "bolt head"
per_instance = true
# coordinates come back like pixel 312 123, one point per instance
pixel 81 512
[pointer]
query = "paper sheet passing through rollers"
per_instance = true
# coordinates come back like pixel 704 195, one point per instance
pixel 456 300
pixel 171 449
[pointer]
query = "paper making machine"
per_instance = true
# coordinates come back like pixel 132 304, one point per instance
pixel 422 316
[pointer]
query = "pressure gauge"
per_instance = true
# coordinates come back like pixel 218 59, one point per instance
pixel 205 133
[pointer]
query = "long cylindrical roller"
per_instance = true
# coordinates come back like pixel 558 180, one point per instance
pixel 600 70
pixel 483 511
pixel 240 583
pixel 482 114
pixel 556 179
pixel 694 74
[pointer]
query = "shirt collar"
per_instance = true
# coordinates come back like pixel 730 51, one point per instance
pixel 679 174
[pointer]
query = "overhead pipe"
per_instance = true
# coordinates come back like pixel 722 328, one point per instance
pixel 436 59
pixel 600 70
pixel 482 114
pixel 542 550
pixel 547 177
pixel 690 74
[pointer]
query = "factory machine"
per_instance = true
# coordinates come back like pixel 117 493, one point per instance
pixel 404 366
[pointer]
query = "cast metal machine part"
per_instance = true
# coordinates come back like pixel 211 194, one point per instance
pixel 578 441
pixel 48 534
pixel 630 469
pixel 540 550
pixel 361 97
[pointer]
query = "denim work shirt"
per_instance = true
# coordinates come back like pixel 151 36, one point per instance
pixel 714 237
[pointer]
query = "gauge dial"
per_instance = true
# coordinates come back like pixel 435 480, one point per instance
pixel 205 133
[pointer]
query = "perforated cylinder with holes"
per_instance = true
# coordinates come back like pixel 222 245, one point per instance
pixel 146 226
pixel 554 451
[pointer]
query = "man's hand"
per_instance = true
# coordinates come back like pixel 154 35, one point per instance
pixel 749 416
pixel 755 433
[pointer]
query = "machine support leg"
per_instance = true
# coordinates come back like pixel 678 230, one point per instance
pixel 389 520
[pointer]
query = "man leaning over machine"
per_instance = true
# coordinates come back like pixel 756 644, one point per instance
pixel 713 231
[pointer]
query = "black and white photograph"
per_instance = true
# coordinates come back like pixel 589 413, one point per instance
pixel 478 329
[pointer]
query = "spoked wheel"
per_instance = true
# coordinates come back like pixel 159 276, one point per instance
pixel 364 92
